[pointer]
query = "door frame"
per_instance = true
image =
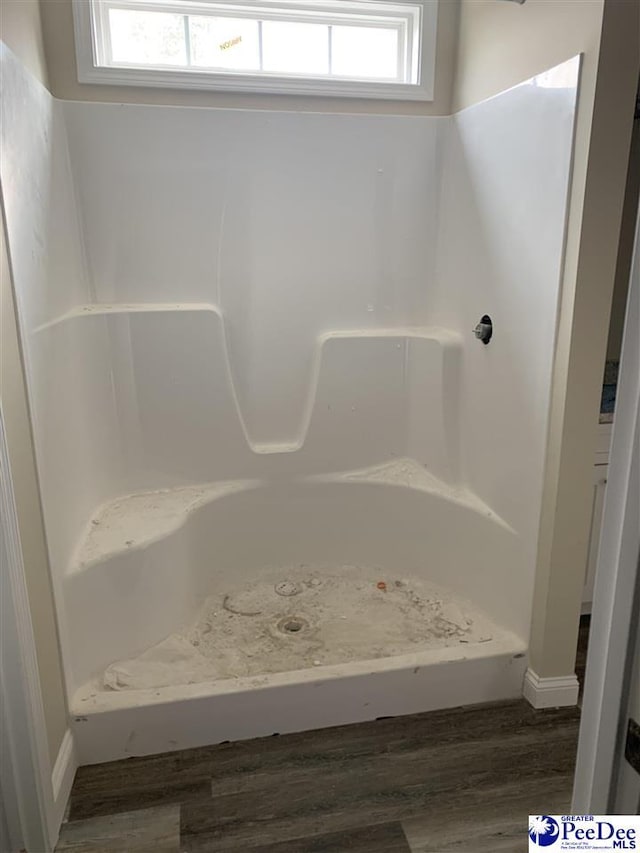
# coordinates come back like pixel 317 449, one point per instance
pixel 25 765
pixel 613 629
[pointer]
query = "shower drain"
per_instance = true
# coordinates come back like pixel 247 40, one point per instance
pixel 287 588
pixel 292 625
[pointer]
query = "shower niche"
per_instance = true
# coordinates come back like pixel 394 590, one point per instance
pixel 283 487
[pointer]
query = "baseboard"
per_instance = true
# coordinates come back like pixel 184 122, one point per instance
pixel 64 771
pixel 550 692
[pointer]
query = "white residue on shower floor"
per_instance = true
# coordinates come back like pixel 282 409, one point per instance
pixel 298 617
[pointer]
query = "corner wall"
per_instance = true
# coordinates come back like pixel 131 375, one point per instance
pixel 20 29
pixel 501 44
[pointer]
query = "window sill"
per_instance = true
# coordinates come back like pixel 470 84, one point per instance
pixel 272 85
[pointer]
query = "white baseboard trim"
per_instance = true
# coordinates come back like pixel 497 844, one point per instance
pixel 550 692
pixel 64 771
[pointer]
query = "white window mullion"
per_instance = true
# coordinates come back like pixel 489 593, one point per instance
pixel 187 38
pixel 330 49
pixel 402 54
pixel 260 49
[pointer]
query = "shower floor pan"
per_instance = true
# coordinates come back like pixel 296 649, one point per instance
pixel 315 647
pixel 297 646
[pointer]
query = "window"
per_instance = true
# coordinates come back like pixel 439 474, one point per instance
pixel 362 48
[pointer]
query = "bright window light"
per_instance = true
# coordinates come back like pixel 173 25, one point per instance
pixel 140 38
pixel 224 43
pixel 289 47
pixel 364 52
pixel 371 48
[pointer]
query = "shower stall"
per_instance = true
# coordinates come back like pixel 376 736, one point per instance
pixel 284 484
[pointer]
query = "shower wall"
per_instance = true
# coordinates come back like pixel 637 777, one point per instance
pixel 210 295
pixel 268 247
pixel 502 217
pixel 68 367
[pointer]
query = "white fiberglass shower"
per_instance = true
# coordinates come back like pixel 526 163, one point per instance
pixel 284 485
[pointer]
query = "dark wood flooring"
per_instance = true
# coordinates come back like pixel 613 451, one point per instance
pixel 461 780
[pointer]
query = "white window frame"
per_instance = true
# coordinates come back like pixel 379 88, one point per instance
pixel 89 49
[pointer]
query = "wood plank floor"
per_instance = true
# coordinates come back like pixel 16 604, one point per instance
pixel 457 780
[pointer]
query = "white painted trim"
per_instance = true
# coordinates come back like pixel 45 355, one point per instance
pixel 36 794
pixel 90 72
pixel 550 692
pixel 617 577
pixel 64 771
pixel 26 768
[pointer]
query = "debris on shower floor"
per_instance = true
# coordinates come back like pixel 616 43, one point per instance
pixel 297 617
pixel 173 661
